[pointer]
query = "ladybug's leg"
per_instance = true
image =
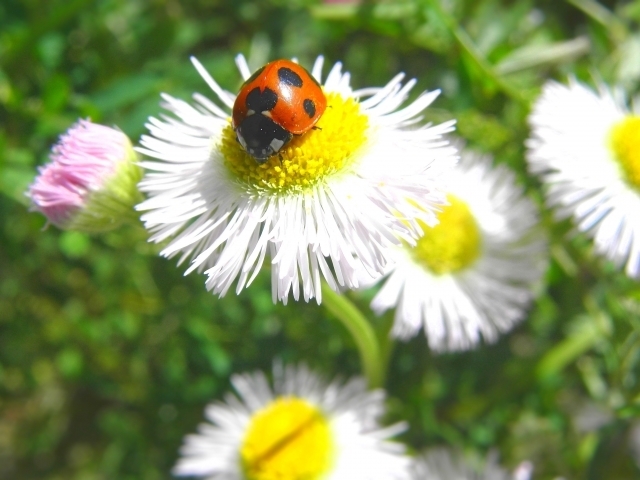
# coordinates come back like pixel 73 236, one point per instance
pixel 316 128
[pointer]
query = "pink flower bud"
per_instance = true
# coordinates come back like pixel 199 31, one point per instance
pixel 91 179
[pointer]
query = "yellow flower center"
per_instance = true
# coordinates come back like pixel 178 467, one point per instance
pixel 451 245
pixel 625 143
pixel 289 439
pixel 307 159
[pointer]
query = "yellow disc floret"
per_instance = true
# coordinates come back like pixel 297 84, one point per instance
pixel 625 143
pixel 289 439
pixel 451 245
pixel 307 159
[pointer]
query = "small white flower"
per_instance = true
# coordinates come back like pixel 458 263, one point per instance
pixel 301 429
pixel 474 273
pixel 586 148
pixel 326 206
pixel 444 464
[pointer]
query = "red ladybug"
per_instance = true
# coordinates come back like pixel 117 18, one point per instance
pixel 278 101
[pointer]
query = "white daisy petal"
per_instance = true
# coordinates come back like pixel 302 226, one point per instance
pixel 222 94
pixel 344 431
pixel 340 218
pixel 492 279
pixel 573 150
pixel 316 71
pixel 243 66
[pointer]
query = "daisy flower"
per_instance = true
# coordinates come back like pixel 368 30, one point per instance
pixel 472 275
pixel 301 429
pixel 326 206
pixel 585 146
pixel 90 183
pixel 444 464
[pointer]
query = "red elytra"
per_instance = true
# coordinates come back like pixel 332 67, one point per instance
pixel 293 85
pixel 278 101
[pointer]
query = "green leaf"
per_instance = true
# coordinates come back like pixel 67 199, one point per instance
pixel 126 91
pixel 535 56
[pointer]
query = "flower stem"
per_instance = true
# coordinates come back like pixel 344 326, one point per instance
pixel 373 361
pixel 386 343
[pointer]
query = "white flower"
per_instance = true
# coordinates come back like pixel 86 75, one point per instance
pixel 586 148
pixel 444 464
pixel 327 205
pixel 474 273
pixel 301 429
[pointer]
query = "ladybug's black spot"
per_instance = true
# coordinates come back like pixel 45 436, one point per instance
pixel 309 107
pixel 261 137
pixel 288 76
pixel 261 101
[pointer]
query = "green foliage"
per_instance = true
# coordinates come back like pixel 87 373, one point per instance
pixel 108 354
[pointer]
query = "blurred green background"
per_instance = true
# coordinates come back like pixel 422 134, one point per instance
pixel 108 354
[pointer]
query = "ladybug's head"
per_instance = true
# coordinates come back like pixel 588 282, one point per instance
pixel 261 137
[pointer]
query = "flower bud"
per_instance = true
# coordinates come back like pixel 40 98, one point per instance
pixel 90 185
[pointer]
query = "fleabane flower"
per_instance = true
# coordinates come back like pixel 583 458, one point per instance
pixel 328 204
pixel 473 274
pixel 585 146
pixel 302 428
pixel 90 183
pixel 445 464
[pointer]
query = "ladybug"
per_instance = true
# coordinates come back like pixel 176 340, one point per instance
pixel 278 101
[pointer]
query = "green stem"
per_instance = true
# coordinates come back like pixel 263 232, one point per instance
pixel 386 341
pixel 372 359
